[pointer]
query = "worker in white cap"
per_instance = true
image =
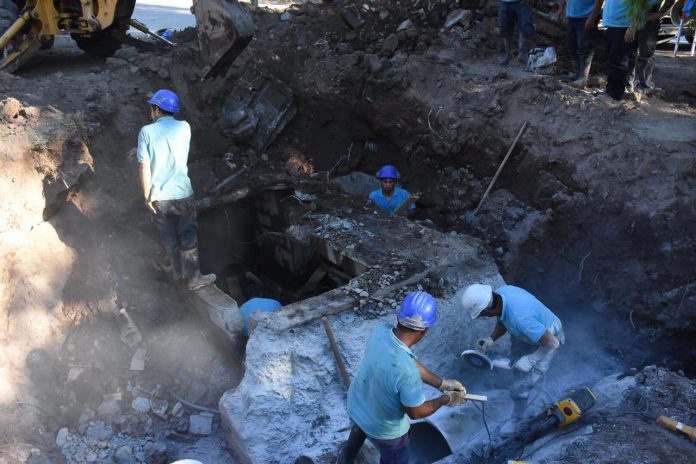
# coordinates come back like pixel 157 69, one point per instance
pixel 530 324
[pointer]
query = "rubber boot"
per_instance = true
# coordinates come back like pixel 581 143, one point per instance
pixel 507 41
pixel 192 270
pixel 585 64
pixel 523 50
pixel 576 73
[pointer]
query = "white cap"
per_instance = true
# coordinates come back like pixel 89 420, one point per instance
pixel 476 298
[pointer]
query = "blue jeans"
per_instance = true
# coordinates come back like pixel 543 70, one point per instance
pixel 617 72
pixel 511 13
pixel 177 224
pixel 579 42
pixel 393 451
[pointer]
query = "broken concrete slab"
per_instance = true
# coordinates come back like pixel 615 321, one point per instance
pixel 201 424
pixel 220 308
pixel 138 360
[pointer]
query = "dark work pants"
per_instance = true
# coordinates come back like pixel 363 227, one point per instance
pixel 640 66
pixel 515 13
pixel 177 223
pixel 617 72
pixel 579 42
pixel 390 451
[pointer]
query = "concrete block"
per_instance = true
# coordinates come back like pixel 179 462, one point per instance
pixel 201 424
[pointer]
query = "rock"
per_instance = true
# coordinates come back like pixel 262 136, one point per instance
pixel 141 404
pixel 390 44
pixel 286 16
pixel 9 108
pixel 201 424
pixel 83 421
pixel 163 73
pixel 99 431
pixel 134 69
pixel 109 410
pixel 124 455
pixel 62 437
pixel 114 62
pixel 405 25
pixel 156 453
pixel 458 16
pixel 374 63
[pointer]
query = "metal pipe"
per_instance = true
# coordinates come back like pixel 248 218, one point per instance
pixel 15 28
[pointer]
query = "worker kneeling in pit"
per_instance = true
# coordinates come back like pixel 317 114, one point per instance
pixel 529 323
pixel 388 388
pixel 389 197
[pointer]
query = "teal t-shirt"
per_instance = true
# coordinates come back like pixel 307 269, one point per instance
pixel 387 380
pixel 399 196
pixel 615 14
pixel 525 317
pixel 165 145
pixel 579 8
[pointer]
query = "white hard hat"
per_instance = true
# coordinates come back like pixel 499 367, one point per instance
pixel 476 298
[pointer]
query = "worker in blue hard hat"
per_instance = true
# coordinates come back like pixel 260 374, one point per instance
pixel 390 196
pixel 388 388
pixel 163 148
pixel 535 331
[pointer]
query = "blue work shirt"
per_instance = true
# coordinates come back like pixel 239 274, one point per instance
pixel 257 304
pixel 165 145
pixel 525 317
pixel 388 379
pixel 616 14
pixel 579 8
pixel 378 198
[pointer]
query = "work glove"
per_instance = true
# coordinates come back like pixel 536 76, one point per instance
pixel 451 385
pixel 484 345
pixel 525 363
pixel 456 398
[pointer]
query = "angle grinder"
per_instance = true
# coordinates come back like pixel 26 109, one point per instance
pixel 479 360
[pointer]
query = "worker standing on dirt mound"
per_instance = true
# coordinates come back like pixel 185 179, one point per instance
pixel 389 196
pixel 511 12
pixel 530 324
pixel 581 27
pixel 163 148
pixel 616 19
pixel 388 388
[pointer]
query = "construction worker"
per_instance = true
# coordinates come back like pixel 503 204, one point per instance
pixel 581 25
pixel 388 388
pixel 640 62
pixel 389 196
pixel 511 12
pixel 163 148
pixel 530 324
pixel 615 18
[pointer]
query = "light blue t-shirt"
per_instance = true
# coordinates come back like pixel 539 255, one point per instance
pixel 615 14
pixel 257 304
pixel 525 317
pixel 579 8
pixel 165 145
pixel 378 198
pixel 387 380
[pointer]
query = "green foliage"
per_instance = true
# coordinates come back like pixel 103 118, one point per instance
pixel 638 12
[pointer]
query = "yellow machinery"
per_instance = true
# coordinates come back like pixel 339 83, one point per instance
pixel 91 23
pixel 99 28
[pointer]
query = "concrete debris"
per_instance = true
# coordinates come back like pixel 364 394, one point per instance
pixel 130 333
pixel 177 409
pixel 138 360
pixel 457 17
pixel 352 19
pixel 75 372
pixel 62 437
pixel 201 424
pixel 286 16
pixel 405 25
pixel 141 405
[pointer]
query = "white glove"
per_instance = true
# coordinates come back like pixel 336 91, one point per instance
pixel 484 345
pixel 525 363
pixel 456 398
pixel 451 385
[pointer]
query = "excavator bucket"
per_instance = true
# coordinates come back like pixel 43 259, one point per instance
pixel 224 30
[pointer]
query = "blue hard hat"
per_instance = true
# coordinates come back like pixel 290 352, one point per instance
pixel 166 100
pixel 418 311
pixel 388 172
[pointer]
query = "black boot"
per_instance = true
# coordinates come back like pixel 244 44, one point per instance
pixel 523 50
pixel 173 267
pixel 192 270
pixel 507 42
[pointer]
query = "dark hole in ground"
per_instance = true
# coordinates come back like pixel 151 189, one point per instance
pixel 247 245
